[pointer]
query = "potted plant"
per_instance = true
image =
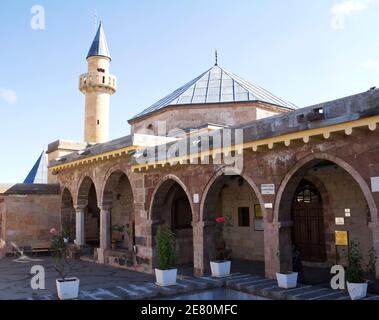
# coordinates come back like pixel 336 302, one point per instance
pixel 166 273
pixel 221 266
pixel 67 288
pixel 356 283
pixel 288 279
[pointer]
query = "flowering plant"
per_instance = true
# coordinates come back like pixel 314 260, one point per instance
pixel 221 252
pixel 59 251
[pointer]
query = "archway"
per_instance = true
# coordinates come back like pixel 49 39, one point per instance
pixel 87 198
pixel 118 197
pixel 171 207
pixel 233 198
pixel 68 222
pixel 322 199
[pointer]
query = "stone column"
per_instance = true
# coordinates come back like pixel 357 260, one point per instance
pixel 203 244
pixel 277 248
pixel 80 234
pixel 374 226
pixel 105 233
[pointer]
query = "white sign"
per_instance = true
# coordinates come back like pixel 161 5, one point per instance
pixel 268 188
pixel 347 213
pixel 268 205
pixel 196 198
pixel 340 221
pixel 375 184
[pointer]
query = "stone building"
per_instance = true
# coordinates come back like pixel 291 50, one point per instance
pixel 220 146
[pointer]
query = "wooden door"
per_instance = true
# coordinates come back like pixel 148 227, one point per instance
pixel 308 218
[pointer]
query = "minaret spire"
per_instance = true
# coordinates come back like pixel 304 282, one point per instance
pixel 99 45
pixel 97 85
pixel 216 58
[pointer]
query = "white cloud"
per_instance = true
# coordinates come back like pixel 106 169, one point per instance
pixel 8 95
pixel 371 64
pixel 346 8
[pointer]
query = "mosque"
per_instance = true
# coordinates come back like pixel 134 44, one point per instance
pixel 219 146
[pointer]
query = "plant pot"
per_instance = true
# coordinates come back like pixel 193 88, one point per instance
pixel 220 269
pixel 68 288
pixel 357 290
pixel 166 278
pixel 287 280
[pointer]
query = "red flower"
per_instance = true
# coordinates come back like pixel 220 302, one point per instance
pixel 220 219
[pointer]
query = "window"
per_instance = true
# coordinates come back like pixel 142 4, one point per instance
pixel 98 122
pixel 101 70
pixel 258 218
pixel 103 79
pixel 243 217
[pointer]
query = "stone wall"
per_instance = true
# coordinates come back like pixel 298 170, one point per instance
pixel 229 114
pixel 27 218
pixel 245 243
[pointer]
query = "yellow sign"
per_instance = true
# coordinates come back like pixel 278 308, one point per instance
pixel 342 238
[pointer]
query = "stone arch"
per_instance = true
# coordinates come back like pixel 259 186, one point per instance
pixel 235 196
pixel 87 200
pixel 117 197
pixel 83 189
pixel 307 162
pixel 166 183
pixel 317 167
pixel 68 219
pixel 222 171
pixel 109 181
pixel 171 206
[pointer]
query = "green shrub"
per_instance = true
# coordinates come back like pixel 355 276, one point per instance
pixel 165 248
pixel 355 272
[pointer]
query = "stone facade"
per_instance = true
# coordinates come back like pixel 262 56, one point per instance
pixel 194 116
pixel 27 215
pixel 346 184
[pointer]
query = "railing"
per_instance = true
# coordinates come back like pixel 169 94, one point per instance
pixel 97 79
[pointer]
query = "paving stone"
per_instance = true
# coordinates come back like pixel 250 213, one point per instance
pixel 242 280
pixel 332 296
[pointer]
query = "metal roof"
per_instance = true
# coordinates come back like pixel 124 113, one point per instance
pixel 216 85
pixel 38 174
pixel 99 45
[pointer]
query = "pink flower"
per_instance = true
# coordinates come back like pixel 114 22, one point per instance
pixel 53 231
pixel 220 219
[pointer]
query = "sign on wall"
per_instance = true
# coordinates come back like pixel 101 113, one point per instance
pixel 375 184
pixel 268 189
pixel 342 238
pixel 340 221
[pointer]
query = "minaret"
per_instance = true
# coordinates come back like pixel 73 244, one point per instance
pixel 97 85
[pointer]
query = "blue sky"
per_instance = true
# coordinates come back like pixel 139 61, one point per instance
pixel 304 51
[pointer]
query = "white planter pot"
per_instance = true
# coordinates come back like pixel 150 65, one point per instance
pixel 357 290
pixel 166 278
pixel 67 289
pixel 220 269
pixel 287 280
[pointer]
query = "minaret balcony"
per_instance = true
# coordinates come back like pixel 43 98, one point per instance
pixel 97 81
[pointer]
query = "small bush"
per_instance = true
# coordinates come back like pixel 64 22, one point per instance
pixel 165 248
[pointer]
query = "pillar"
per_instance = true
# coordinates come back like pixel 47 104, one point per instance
pixel 203 246
pixel 277 248
pixel 80 234
pixel 105 233
pixel 374 226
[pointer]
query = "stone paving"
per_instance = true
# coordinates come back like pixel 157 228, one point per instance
pixel 255 285
pixel 99 282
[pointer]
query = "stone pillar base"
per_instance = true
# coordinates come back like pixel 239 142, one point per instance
pixel 101 255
